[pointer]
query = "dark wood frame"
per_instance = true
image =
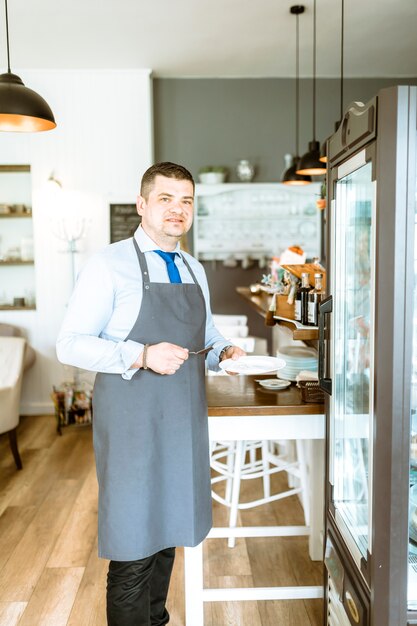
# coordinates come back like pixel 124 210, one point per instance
pixel 391 118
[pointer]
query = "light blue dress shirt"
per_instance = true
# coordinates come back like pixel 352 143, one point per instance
pixel 105 304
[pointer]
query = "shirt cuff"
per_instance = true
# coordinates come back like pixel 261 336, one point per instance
pixel 130 354
pixel 213 356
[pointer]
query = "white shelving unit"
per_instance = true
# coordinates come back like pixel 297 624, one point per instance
pixel 17 268
pixel 255 220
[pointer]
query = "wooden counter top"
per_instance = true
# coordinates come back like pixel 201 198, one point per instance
pixel 260 302
pixel 242 395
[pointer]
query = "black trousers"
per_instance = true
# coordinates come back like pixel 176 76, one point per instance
pixel 137 590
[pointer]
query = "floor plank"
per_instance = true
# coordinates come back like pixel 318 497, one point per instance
pixel 76 539
pixel 89 607
pixel 176 600
pixel 13 525
pixel 53 597
pixel 20 575
pixel 11 612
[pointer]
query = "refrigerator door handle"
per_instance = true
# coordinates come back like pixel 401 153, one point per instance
pixel 326 307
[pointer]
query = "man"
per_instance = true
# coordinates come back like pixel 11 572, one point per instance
pixel 135 318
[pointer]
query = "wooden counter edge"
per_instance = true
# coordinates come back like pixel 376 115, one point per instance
pixel 293 409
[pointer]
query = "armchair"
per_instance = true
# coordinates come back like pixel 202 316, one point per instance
pixel 12 354
pixel 8 330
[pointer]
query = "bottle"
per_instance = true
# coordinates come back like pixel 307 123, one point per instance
pixel 297 304
pixel 314 298
pixel 301 300
pixel 269 318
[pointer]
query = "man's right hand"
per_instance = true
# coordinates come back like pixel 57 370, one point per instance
pixel 163 358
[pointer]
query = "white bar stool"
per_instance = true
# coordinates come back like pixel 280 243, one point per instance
pixel 229 462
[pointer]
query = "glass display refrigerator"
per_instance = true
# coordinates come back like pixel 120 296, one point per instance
pixel 368 364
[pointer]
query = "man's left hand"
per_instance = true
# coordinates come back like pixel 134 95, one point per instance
pixel 233 353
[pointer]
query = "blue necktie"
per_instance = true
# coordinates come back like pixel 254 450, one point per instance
pixel 169 258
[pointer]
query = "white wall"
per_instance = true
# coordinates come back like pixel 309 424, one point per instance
pixel 102 144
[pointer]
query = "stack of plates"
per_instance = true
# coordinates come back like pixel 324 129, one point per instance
pixel 297 358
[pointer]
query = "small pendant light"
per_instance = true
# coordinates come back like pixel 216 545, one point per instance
pixel 309 163
pixel 323 151
pixel 21 108
pixel 290 176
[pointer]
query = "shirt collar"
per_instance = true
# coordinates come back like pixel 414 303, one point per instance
pixel 146 244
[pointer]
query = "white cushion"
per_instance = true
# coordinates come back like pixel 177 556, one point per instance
pixel 12 351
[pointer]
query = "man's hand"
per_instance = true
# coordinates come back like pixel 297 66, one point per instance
pixel 163 358
pixel 233 353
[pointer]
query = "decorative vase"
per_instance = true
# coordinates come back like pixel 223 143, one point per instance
pixel 245 171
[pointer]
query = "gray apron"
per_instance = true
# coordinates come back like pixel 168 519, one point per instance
pixel 151 434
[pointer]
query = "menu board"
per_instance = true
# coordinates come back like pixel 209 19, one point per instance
pixel 124 220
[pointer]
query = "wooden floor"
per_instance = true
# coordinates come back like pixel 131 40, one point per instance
pixel 49 571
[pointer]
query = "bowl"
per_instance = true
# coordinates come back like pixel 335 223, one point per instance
pixel 212 178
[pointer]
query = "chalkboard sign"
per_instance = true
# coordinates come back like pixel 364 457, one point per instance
pixel 124 220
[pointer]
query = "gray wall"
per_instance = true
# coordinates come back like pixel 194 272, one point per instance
pixel 202 122
pixel 219 121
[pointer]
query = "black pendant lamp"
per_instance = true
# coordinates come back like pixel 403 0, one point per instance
pixel 21 109
pixel 290 176
pixel 323 151
pixel 309 163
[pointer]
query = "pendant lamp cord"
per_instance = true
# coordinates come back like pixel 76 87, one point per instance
pixel 7 38
pixel 297 86
pixel 341 58
pixel 314 72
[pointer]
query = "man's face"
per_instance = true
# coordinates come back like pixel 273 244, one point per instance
pixel 167 213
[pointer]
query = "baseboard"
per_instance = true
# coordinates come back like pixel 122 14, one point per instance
pixel 37 408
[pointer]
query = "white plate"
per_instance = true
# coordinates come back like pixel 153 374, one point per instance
pixel 296 362
pixel 252 365
pixel 274 383
pixel 303 352
pixel 284 376
pixel 295 370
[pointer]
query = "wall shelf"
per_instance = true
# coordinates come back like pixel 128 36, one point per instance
pixel 254 221
pixel 15 214
pixel 10 307
pixel 17 262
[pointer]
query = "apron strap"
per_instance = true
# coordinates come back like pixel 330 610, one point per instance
pixel 187 265
pixel 142 262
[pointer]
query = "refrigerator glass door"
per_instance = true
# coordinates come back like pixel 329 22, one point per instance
pixel 353 221
pixel 412 546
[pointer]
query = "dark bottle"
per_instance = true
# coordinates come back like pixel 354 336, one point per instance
pixel 315 296
pixel 301 300
pixel 297 304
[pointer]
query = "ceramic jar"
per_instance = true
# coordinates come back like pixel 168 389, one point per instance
pixel 245 171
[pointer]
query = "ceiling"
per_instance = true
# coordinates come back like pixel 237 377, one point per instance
pixel 212 38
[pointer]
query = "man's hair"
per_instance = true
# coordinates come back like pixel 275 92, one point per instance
pixel 167 169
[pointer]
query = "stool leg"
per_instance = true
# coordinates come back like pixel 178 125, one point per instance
pixel 265 466
pixel 252 455
pixel 304 478
pixel 239 460
pixel 193 584
pixel 291 457
pixel 14 448
pixel 230 462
